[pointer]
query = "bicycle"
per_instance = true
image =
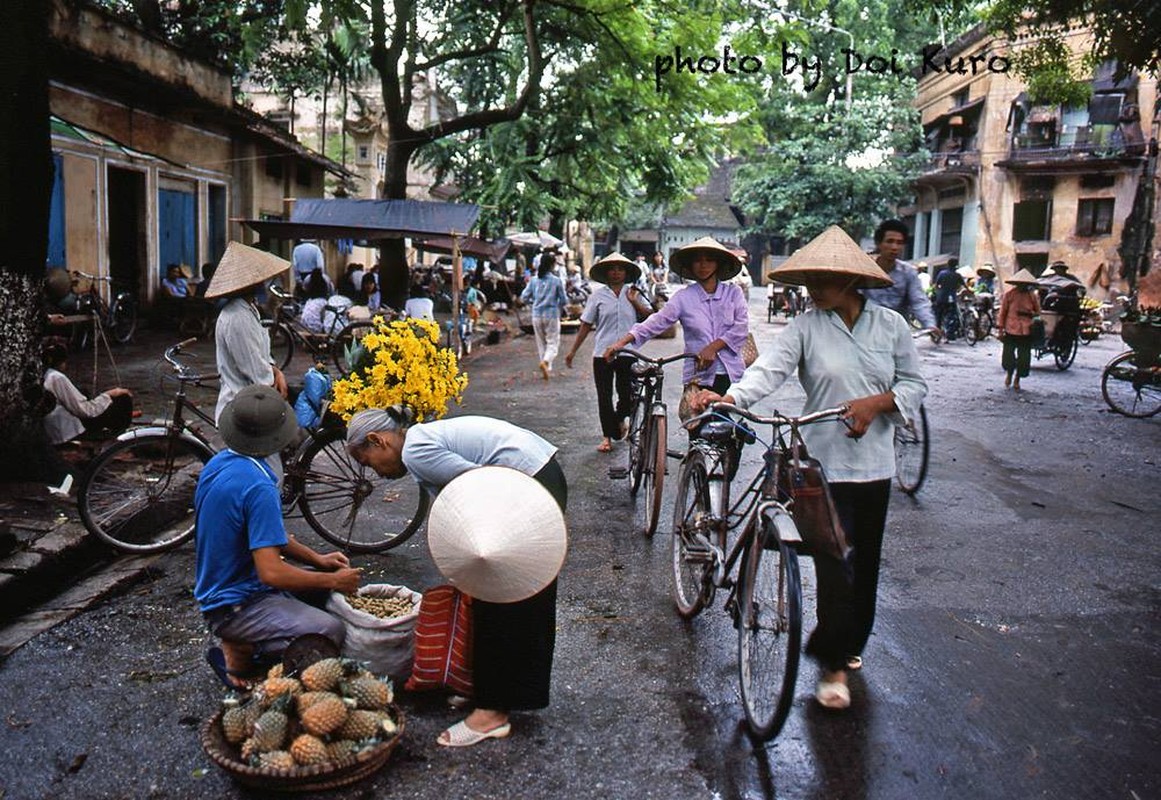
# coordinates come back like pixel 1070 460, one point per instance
pixel 119 317
pixel 913 443
pixel 765 598
pixel 648 434
pixel 287 332
pixel 1131 382
pixel 137 495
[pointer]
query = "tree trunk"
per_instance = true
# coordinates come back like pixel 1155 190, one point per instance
pixel 394 272
pixel 26 172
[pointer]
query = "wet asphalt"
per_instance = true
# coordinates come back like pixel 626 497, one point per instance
pixel 1014 656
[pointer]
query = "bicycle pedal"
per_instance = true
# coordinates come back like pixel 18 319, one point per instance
pixel 617 473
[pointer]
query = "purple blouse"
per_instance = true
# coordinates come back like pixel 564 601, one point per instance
pixel 704 318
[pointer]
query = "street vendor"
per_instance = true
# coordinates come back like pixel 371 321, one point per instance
pixel 252 599
pixel 512 642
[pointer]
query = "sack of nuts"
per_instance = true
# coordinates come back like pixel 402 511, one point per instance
pixel 380 621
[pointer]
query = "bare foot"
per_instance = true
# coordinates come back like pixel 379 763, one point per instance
pixel 605 445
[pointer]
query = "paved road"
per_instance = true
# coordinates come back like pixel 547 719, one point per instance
pixel 1014 656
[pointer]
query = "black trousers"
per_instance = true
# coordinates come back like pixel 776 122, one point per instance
pixel 847 593
pixel 513 643
pixel 1017 355
pixel 608 376
pixel 113 419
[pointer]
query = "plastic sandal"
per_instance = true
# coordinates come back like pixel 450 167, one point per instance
pixel 460 735
pixel 231 680
pixel 835 696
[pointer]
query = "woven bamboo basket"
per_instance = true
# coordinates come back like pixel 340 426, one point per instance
pixel 315 778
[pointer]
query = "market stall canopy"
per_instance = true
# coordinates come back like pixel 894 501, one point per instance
pixel 345 218
pixel 536 239
pixel 470 246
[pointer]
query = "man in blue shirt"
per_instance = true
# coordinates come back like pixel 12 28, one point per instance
pixel 242 585
pixel 906 295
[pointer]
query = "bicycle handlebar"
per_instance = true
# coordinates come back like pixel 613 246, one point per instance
pixel 278 291
pixel 659 362
pixel 777 419
pixel 183 371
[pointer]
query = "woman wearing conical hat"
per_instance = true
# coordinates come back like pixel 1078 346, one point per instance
pixel 858 354
pixel 713 314
pixel 1019 306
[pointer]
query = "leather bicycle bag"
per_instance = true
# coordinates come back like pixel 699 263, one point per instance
pixel 802 479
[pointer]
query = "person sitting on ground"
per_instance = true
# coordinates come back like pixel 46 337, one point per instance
pixel 175 284
pixel 107 414
pixel 351 282
pixel 252 599
pixel 369 293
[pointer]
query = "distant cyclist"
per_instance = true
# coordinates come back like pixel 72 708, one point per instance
pixel 906 295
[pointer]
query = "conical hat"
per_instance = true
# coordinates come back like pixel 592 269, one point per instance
pixel 600 270
pixel 242 266
pixel 1023 276
pixel 682 258
pixel 497 535
pixel 832 252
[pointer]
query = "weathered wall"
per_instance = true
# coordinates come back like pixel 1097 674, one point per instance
pixel 82 239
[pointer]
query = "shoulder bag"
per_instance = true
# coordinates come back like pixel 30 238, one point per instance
pixel 802 479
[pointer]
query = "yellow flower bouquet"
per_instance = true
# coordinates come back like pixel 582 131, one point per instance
pixel 400 362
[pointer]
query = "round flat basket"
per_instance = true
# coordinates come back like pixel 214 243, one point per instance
pixel 300 779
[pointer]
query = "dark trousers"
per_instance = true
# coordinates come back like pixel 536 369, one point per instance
pixel 513 643
pixel 113 419
pixel 607 377
pixel 846 597
pixel 1017 355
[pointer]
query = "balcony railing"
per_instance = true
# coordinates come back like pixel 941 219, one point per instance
pixel 959 160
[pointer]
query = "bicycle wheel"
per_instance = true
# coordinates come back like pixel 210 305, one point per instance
pixel 636 440
pixel 1130 389
pixel 281 342
pixel 769 631
pixel 653 478
pixel 912 450
pixel 123 320
pixel 347 504
pixel 138 494
pixel 970 324
pixel 693 526
pixel 344 345
pixel 1066 355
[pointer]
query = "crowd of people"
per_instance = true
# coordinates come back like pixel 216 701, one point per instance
pixel 853 349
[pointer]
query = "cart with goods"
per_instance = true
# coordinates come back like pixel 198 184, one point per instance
pixel 1131 382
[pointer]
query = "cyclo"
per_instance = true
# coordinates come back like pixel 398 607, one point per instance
pixel 1060 312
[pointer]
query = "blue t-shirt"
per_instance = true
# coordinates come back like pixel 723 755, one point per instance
pixel 238 511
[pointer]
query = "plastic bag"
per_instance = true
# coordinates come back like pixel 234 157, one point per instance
pixel 387 646
pixel 308 405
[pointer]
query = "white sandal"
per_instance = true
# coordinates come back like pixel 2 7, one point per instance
pixel 460 735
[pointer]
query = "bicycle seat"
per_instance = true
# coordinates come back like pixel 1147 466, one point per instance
pixel 722 431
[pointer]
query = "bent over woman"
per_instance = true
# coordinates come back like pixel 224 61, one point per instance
pixel 512 643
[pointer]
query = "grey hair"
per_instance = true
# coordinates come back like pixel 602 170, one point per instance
pixel 395 418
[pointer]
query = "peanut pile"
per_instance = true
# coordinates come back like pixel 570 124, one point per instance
pixel 381 607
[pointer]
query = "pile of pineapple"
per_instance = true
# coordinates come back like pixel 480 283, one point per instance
pixel 333 710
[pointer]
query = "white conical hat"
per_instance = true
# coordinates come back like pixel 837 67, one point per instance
pixel 497 535
pixel 832 252
pixel 682 259
pixel 242 266
pixel 1023 276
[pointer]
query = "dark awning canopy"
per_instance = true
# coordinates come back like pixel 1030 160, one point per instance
pixel 968 109
pixel 345 218
pixel 469 246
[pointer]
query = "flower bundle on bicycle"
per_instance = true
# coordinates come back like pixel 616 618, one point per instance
pixel 400 362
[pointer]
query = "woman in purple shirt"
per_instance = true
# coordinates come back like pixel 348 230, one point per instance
pixel 713 315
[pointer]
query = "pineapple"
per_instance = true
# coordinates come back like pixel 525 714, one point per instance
pixel 276 759
pixel 359 725
pixel 338 750
pixel 236 724
pixel 369 693
pixel 308 749
pixel 322 676
pixel 275 671
pixel 271 688
pixel 270 729
pixel 308 699
pixel 325 716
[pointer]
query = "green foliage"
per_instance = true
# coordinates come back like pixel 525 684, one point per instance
pixel 1046 66
pixel 826 169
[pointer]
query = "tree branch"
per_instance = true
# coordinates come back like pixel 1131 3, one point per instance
pixel 492 46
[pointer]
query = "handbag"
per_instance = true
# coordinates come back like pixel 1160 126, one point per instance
pixel 801 478
pixel 685 405
pixel 749 350
pixel 443 642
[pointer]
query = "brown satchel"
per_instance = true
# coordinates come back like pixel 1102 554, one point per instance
pixel 801 478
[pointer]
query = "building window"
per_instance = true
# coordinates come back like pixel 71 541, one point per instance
pixel 363 154
pixel 1037 188
pixel 1094 217
pixel 1035 263
pixel 274 167
pixel 1032 221
pixel 950 230
pixel 302 175
pixel 960 98
pixel 1097 181
pixel 381 161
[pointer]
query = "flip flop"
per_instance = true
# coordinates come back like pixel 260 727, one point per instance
pixel 835 696
pixel 460 735
pixel 230 679
pixel 604 447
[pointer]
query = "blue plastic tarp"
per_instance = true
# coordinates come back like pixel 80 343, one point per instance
pixel 345 218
